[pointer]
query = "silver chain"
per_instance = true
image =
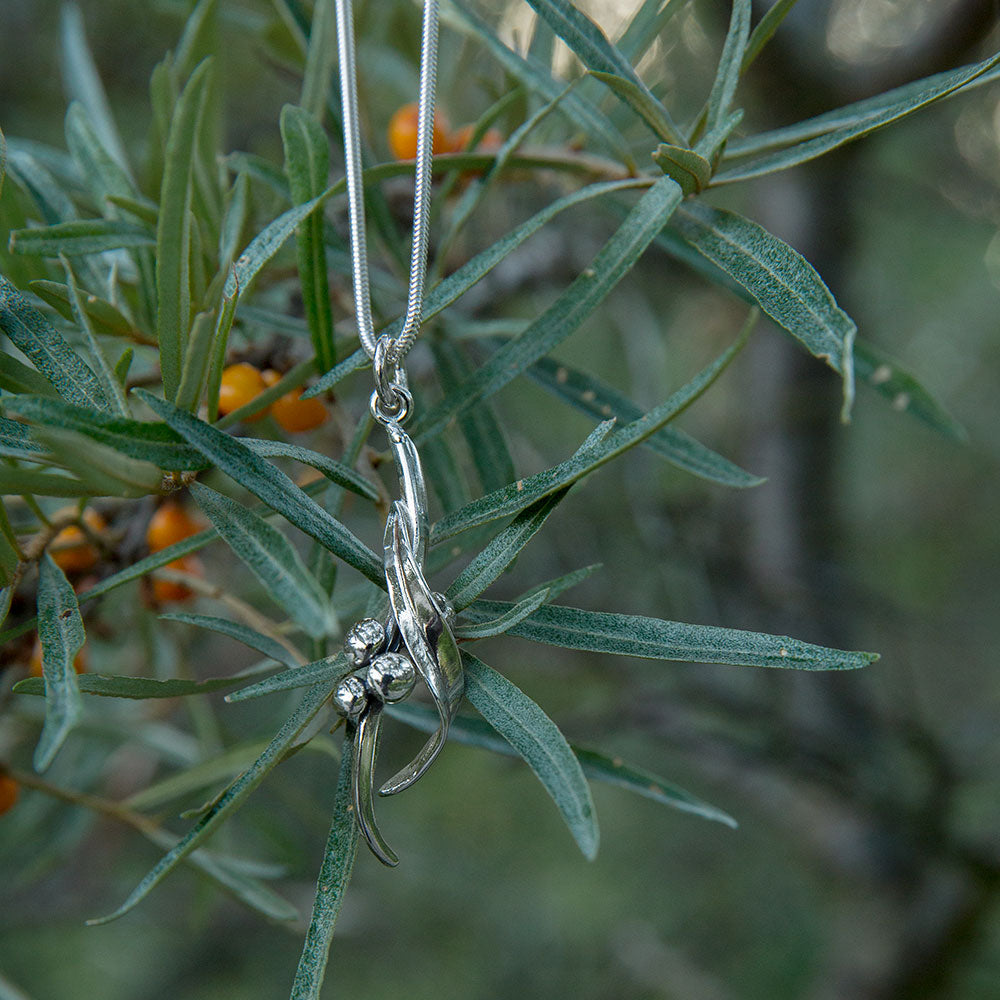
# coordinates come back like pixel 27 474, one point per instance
pixel 397 348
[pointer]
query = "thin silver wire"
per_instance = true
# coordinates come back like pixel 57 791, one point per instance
pixel 399 347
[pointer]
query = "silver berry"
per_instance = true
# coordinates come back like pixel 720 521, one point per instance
pixel 350 698
pixel 364 640
pixel 391 677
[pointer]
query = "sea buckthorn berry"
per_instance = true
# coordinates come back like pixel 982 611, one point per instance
pixel 240 384
pixel 296 414
pixel 168 591
pixel 402 133
pixel 72 551
pixel 461 139
pixel 35 663
pixel 10 792
pixel 170 524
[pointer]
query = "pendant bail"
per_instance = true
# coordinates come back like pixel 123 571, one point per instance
pixel 391 401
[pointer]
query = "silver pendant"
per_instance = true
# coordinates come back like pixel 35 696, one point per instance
pixel 416 639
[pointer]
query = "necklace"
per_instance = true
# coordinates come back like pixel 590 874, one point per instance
pixel 416 636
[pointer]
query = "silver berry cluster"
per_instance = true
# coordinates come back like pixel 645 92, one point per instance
pixel 389 674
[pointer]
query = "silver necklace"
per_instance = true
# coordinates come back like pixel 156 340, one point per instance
pixel 416 636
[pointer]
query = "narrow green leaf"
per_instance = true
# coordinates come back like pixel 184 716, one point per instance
pixel 307 164
pixel 16 440
pixel 80 237
pixel 83 83
pixel 645 26
pixel 903 392
pixel 601 446
pixel 154 443
pixel 851 123
pixel 480 427
pixel 231 799
pixel 123 364
pixel 328 671
pixel 136 688
pixel 765 30
pixel 205 774
pixel 502 551
pixel 641 101
pixel 615 771
pixel 198 40
pixel 690 169
pixel 442 470
pixel 228 874
pixel 321 59
pixel 859 111
pixel 730 65
pixel 102 172
pixel 337 472
pixel 33 335
pixel 18 378
pixel 270 557
pixel 587 40
pixel 105 317
pixel 538 80
pixel 505 622
pixel 15 482
pixel 538 740
pixel 60 630
pixel 234 219
pixel 338 863
pixel 653 638
pixel 566 314
pixel 355 362
pixel 141 208
pixel 270 485
pixel 561 584
pixel 111 386
pixel 782 281
pixel 196 359
pixel 6 597
pixel 600 400
pixel 54 204
pixel 457 284
pixel 870 365
pixel 597 766
pixel 173 231
pixel 711 144
pixel 241 633
pixel 99 467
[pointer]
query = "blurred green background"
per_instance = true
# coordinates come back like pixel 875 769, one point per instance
pixel 867 861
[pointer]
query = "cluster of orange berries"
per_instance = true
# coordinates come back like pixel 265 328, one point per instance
pixel 242 383
pixel 402 135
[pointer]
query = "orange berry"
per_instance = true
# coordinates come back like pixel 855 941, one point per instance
pixel 491 141
pixel 171 523
pixel 296 414
pixel 402 133
pixel 72 550
pixel 167 591
pixel 10 791
pixel 270 377
pixel 35 663
pixel 240 383
pixel 461 139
